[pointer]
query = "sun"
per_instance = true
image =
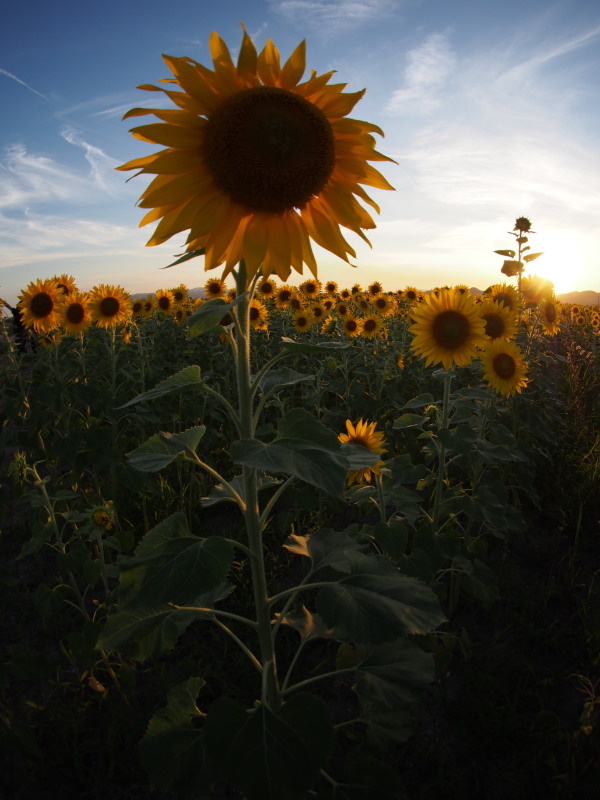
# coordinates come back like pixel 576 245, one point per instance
pixel 563 261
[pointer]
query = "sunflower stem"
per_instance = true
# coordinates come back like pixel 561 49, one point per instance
pixel 271 695
pixel 441 474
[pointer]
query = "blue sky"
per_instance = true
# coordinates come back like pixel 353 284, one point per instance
pixel 490 110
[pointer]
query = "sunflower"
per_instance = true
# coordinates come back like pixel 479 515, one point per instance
pixel 356 289
pixel 75 315
pixel 257 163
pixel 266 288
pixel 283 296
pixel 148 306
pixel 303 320
pixel 319 311
pixel 372 327
pixel 550 317
pixel 505 293
pixel 310 288
pixel 137 307
pixel 411 294
pixel 164 301
pixel 504 367
pixel 213 288
pixel 535 289
pixel 40 304
pixel 110 305
pixel 345 294
pixel 374 289
pixel 342 309
pixel 180 294
pixel 462 288
pixel 296 302
pixel 383 305
pixel 361 302
pixel 331 287
pixel 351 326
pixel 500 322
pixel 66 283
pixel 363 434
pixel 447 328
pixel 259 316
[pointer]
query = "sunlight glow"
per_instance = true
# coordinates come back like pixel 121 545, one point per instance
pixel 563 261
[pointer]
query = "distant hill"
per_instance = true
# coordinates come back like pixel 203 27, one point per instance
pixel 581 298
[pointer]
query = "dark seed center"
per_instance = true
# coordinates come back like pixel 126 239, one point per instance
pixel 450 329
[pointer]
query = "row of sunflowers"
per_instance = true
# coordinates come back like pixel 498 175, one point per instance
pixel 448 325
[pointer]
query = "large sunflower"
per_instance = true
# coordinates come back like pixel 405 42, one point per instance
pixel 363 433
pixel 40 304
pixel 447 328
pixel 504 367
pixel 500 321
pixel 256 162
pixel 110 305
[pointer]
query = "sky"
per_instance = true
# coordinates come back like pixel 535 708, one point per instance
pixel 490 110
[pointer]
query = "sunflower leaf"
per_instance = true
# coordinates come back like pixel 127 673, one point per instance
pixel 282 377
pixel 268 755
pixel 292 346
pixel 208 316
pixel 186 257
pixel 189 376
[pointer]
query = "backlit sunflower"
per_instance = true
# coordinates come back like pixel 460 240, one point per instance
pixel 110 305
pixel 283 295
pixel 331 287
pixel 259 316
pixel 310 288
pixel 374 289
pixel 383 305
pixel 164 301
pixel 411 294
pixel 372 327
pixel 363 434
pixel 257 163
pixel 266 289
pixel 351 326
pixel 66 283
pixel 504 367
pixel 303 320
pixel 535 289
pixel 180 294
pixel 40 305
pixel 500 322
pixel 447 329
pixel 550 315
pixel 213 288
pixel 505 293
pixel 75 315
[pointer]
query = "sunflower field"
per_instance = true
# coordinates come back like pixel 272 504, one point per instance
pixel 426 477
pixel 291 541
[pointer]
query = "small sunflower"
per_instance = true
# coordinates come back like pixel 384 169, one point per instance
pixel 102 517
pixel 523 225
pixel 356 289
pixel 180 294
pixel 462 288
pixel 550 315
pixel 500 322
pixel 330 287
pixel 504 367
pixel 266 289
pixel 213 288
pixel 383 305
pixel 164 301
pixel 447 329
pixel 351 326
pixel 365 435
pixel 345 294
pixel 310 288
pixel 40 305
pixel 296 302
pixel 303 320
pixel 256 163
pixel 411 294
pixel 148 306
pixel 361 302
pixel 283 296
pixel 505 293
pixel 318 310
pixel 137 307
pixel 75 315
pixel 66 283
pixel 374 289
pixel 110 305
pixel 372 327
pixel 342 309
pixel 259 316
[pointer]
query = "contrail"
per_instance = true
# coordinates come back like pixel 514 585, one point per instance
pixel 26 85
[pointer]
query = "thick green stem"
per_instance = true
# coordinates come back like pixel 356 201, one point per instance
pixel 271 695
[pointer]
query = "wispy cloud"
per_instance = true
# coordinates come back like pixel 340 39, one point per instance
pixel 428 67
pixel 333 15
pixel 26 85
pixel 102 167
